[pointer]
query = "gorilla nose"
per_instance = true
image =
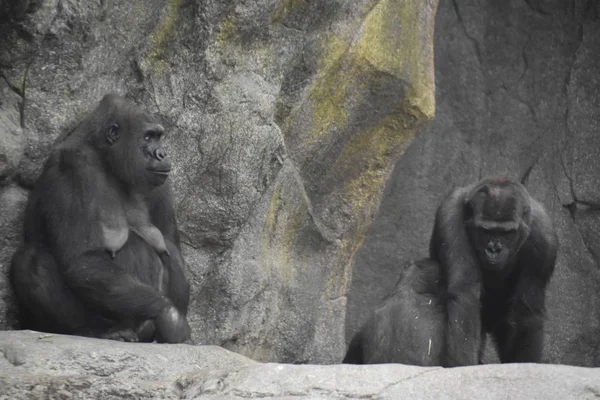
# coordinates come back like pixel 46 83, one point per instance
pixel 160 154
pixel 493 249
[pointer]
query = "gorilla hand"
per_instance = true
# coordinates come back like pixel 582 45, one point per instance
pixel 172 326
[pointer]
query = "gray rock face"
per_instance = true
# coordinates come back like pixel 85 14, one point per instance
pixel 12 140
pixel 517 87
pixel 12 205
pixel 284 120
pixel 40 366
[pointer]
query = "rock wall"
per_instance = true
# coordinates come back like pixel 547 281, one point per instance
pixel 284 117
pixel 517 89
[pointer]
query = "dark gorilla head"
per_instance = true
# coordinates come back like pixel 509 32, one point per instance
pixel 130 142
pixel 498 219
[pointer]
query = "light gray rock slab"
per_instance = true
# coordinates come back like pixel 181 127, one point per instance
pixel 35 365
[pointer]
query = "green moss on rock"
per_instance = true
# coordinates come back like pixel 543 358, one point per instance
pixel 286 216
pixel 390 42
pixel 159 38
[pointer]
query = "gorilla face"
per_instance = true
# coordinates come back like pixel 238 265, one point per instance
pixel 157 162
pixel 495 247
pixel 135 153
pixel 497 216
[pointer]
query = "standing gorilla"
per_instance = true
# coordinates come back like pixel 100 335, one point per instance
pixel 101 254
pixel 492 253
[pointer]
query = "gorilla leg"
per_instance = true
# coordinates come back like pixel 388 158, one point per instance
pixel 108 286
pixel 520 338
pixel 46 303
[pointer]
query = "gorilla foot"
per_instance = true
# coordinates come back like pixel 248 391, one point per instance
pixel 146 331
pixel 172 327
pixel 125 335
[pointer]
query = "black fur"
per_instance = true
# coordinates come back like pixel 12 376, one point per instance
pixel 492 253
pixel 101 253
pixel 408 327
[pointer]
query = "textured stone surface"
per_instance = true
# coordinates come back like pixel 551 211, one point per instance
pixel 39 366
pixel 285 118
pixel 12 204
pixel 12 140
pixel 517 87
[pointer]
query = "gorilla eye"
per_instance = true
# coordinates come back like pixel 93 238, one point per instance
pixel 151 135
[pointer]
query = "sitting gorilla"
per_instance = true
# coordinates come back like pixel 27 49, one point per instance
pixel 492 253
pixel 101 254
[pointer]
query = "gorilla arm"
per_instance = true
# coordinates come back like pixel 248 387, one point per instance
pixel 162 216
pixel 522 340
pixel 451 247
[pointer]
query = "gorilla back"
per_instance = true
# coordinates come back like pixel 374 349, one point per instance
pixel 101 253
pixel 408 327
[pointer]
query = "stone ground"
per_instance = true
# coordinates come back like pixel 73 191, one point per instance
pixel 41 366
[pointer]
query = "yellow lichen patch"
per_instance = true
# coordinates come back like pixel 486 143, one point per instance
pixel 334 49
pixel 246 54
pixel 339 284
pixel 274 255
pixel 161 35
pixel 379 43
pixel 392 42
pixel 272 212
pixel 373 151
pixel 360 190
pixel 227 29
pixel 283 222
pixel 283 8
pixel 329 92
pixel 370 156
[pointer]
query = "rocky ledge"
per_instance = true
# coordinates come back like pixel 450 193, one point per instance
pixel 41 366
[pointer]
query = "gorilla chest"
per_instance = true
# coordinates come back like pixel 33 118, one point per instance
pixel 118 222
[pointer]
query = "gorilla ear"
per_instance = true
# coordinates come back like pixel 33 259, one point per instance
pixel 113 134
